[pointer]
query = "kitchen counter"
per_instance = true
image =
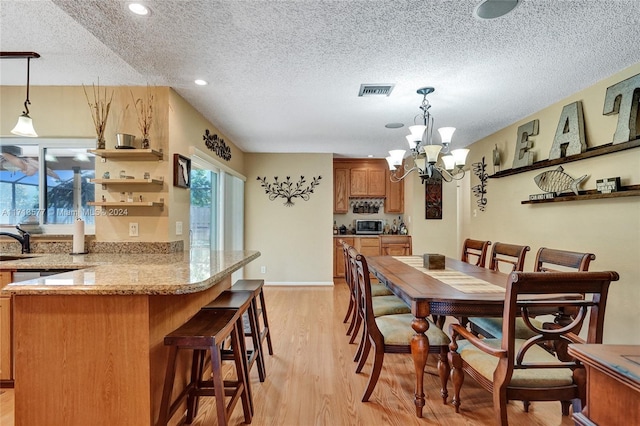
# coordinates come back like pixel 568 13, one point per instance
pixel 88 344
pixel 121 274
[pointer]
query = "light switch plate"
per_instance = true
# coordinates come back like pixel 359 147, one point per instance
pixel 178 228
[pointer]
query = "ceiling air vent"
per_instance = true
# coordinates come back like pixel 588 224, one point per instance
pixel 375 89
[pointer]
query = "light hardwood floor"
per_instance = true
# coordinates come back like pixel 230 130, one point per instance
pixel 311 380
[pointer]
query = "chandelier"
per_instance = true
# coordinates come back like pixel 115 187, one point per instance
pixel 424 152
pixel 24 127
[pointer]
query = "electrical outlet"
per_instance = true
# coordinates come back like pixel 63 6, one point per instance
pixel 263 269
pixel 133 229
pixel 178 228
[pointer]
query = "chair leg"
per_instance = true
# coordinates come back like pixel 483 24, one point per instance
pixel 265 320
pixel 218 385
pixel 565 407
pixel 363 338
pixel 256 341
pixel 443 371
pixel 352 321
pixel 457 378
pixel 240 359
pixel 356 329
pixel 525 406
pixel 197 367
pixel 349 310
pixel 500 405
pixel 366 346
pixel 375 371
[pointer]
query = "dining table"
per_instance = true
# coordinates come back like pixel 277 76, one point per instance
pixel 459 290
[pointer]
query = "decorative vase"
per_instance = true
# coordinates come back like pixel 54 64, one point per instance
pixel 145 143
pixel 101 143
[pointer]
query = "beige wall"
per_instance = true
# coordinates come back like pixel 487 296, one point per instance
pixel 295 242
pixel 610 228
pixel 62 111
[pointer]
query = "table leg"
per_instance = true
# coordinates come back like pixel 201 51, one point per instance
pixel 419 352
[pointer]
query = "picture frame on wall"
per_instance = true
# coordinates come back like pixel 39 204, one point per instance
pixel 433 198
pixel 181 171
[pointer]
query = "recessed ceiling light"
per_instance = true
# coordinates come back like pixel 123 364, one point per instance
pixel 393 125
pixel 139 9
pixel 200 82
pixel 490 9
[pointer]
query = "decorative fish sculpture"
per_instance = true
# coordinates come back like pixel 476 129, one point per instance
pixel 557 181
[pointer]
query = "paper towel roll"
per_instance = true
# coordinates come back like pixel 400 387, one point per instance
pixel 78 236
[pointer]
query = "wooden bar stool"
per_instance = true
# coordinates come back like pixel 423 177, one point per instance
pixel 205 332
pixel 242 302
pixel 255 286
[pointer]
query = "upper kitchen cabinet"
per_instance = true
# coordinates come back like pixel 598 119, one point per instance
pixel 367 179
pixel 340 189
pixel 394 202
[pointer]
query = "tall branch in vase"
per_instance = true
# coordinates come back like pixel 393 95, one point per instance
pixel 99 108
pixel 144 112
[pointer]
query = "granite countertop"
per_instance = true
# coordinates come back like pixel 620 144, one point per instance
pixel 127 274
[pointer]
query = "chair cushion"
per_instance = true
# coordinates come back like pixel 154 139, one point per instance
pixel 493 326
pixel 388 305
pixel 486 364
pixel 378 289
pixel 397 330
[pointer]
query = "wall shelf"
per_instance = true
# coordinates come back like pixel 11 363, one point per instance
pixel 128 154
pixel 126 204
pixel 592 194
pixel 105 182
pixel 589 153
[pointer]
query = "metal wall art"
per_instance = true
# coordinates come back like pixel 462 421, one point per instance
pixel 480 170
pixel 433 197
pixel 217 145
pixel 557 181
pixel 288 189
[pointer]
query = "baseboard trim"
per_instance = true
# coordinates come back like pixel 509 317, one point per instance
pixel 299 284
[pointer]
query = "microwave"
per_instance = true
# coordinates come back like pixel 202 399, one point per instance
pixel 369 226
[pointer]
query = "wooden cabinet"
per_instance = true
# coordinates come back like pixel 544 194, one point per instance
pixel 338 255
pixel 340 189
pixel 394 202
pixel 395 245
pixel 367 246
pixel 385 245
pixel 613 384
pixel 367 180
pixel 6 347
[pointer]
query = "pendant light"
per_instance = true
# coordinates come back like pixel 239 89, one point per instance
pixel 24 127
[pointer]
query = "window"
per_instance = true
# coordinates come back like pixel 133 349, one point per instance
pixel 55 197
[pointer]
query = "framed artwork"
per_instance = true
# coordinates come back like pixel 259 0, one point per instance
pixel 433 197
pixel 181 171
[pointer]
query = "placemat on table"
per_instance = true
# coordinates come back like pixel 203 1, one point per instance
pixel 456 279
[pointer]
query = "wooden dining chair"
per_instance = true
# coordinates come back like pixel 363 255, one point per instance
pixel 382 305
pixel 517 369
pixel 475 250
pixel 562 260
pixel 505 258
pixel 377 289
pixel 393 333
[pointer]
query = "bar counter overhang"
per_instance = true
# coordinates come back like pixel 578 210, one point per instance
pixel 89 343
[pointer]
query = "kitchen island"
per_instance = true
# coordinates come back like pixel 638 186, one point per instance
pixel 89 343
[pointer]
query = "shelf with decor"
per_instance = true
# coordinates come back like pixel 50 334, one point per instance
pixel 127 204
pixel 129 154
pixel 105 182
pixel 592 194
pixel 595 151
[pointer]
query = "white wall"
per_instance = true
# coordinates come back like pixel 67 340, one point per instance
pixel 296 242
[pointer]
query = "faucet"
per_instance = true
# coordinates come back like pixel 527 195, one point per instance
pixel 24 238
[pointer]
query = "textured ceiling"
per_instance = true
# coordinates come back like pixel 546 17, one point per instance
pixel 284 75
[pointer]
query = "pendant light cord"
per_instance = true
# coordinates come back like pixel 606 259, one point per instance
pixel 27 102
